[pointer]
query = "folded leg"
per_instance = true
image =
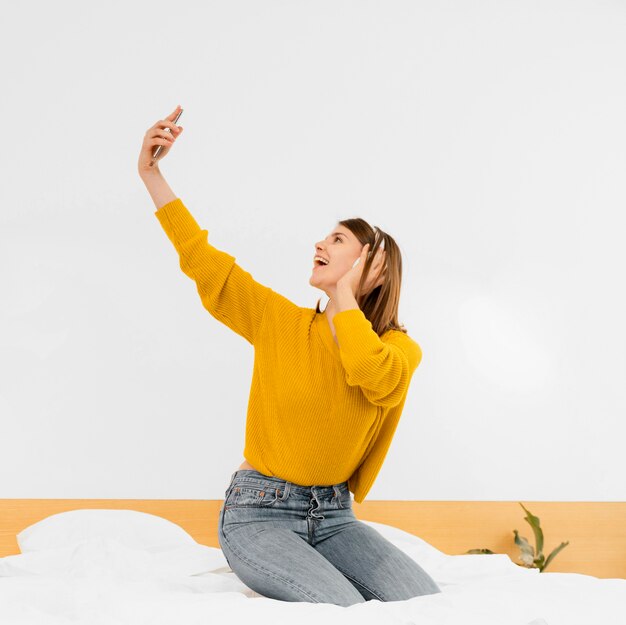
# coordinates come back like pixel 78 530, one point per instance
pixel 278 563
pixel 375 566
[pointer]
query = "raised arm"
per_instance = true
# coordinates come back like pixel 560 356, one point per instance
pixel 162 133
pixel 228 292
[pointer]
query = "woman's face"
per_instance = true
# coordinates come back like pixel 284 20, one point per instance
pixel 340 248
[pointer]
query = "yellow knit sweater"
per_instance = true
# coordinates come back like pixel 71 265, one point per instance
pixel 319 412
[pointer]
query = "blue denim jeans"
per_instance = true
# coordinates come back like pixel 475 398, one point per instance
pixel 303 543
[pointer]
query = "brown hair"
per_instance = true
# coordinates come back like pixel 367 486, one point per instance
pixel 380 305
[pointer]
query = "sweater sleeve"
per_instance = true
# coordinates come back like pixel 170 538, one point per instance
pixel 362 480
pixel 228 292
pixel 382 369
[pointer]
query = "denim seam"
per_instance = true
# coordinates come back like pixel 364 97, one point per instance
pixel 267 572
pixel 358 582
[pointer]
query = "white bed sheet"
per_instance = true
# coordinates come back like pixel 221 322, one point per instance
pixel 103 582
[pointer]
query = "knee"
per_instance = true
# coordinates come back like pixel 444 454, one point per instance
pixel 403 588
pixel 419 588
pixel 332 593
pixel 347 600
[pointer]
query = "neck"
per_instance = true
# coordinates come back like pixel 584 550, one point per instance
pixel 329 311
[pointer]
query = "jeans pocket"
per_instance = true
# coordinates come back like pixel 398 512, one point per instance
pixel 243 495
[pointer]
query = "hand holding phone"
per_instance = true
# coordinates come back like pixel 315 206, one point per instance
pixel 158 141
pixel 155 156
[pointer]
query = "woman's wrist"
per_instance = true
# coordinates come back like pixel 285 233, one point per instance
pixel 157 187
pixel 150 173
pixel 344 298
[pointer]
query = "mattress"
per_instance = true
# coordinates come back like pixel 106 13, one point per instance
pixel 101 580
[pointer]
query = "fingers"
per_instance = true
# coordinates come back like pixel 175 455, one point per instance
pixel 379 259
pixel 164 123
pixel 168 122
pixel 377 271
pixel 381 254
pixel 163 134
pixel 172 116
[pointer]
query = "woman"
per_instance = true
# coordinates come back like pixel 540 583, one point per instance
pixel 327 392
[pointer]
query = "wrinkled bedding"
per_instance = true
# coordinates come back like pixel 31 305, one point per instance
pixel 101 581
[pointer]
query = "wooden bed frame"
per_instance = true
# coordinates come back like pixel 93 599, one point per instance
pixel 596 531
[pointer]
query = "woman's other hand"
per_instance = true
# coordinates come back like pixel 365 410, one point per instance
pixel 375 277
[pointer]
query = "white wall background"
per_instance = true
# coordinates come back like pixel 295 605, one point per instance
pixel 487 138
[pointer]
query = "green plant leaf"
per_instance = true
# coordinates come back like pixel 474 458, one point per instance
pixel 483 550
pixel 533 521
pixel 528 553
pixel 554 552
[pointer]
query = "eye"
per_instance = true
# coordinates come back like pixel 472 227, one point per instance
pixel 337 237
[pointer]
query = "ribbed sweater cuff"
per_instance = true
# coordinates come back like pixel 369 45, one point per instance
pixel 355 333
pixel 177 221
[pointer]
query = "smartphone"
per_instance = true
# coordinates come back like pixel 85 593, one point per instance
pixel 160 147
